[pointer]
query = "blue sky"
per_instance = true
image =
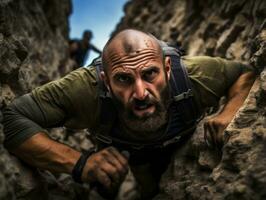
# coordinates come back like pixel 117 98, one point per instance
pixel 100 16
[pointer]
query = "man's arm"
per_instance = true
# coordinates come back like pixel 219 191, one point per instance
pixel 50 106
pixel 25 137
pixel 95 49
pixel 42 152
pixel 214 127
pixel 107 167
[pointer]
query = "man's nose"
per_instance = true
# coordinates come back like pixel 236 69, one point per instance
pixel 140 91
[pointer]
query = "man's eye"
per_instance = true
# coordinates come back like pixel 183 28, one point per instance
pixel 150 75
pixel 123 79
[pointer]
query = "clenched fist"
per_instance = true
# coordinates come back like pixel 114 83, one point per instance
pixel 107 167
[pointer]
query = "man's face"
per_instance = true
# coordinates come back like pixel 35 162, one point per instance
pixel 139 85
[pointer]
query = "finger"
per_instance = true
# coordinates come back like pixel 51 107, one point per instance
pixel 115 162
pixel 207 135
pixel 213 132
pixel 103 178
pixel 112 172
pixel 221 137
pixel 122 159
pixel 108 156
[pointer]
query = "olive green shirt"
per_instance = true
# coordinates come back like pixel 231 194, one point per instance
pixel 73 100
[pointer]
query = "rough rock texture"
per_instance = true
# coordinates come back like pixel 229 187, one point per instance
pixel 33 49
pixel 234 30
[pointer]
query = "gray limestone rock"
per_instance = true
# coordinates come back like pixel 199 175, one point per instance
pixel 33 46
pixel 33 51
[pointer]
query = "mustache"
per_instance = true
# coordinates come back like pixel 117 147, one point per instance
pixel 148 100
pixel 161 104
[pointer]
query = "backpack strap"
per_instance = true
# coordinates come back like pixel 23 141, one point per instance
pixel 181 88
pixel 108 113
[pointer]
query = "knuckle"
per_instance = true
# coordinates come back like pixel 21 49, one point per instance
pixel 111 148
pixel 104 152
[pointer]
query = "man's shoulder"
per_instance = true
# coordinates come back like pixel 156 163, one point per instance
pixel 205 61
pixel 212 65
pixel 83 81
pixel 75 95
pixel 88 72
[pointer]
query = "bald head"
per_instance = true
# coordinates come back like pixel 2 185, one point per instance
pixel 129 42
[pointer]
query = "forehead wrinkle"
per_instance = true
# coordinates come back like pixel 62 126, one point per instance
pixel 134 64
pixel 133 56
pixel 140 55
pixel 127 68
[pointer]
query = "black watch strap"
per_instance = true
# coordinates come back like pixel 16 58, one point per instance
pixel 78 168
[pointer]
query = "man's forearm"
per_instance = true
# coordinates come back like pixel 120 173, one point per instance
pixel 108 167
pixel 237 94
pixel 42 152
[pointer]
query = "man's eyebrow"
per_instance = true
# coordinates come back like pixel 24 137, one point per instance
pixel 122 73
pixel 148 68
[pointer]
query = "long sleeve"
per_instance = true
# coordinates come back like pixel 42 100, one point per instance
pixel 71 101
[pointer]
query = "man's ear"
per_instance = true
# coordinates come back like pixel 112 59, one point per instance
pixel 167 64
pixel 105 79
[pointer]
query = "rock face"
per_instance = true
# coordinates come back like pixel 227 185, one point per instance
pixel 234 30
pixel 33 49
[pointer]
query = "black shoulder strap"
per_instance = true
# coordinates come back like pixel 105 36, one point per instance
pixel 181 88
pixel 107 110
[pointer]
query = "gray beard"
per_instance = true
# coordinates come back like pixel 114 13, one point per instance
pixel 145 127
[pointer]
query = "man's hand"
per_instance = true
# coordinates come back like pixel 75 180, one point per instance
pixel 107 167
pixel 214 127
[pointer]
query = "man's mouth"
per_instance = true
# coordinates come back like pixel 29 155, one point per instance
pixel 144 109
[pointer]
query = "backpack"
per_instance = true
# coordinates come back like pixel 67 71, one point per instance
pixel 183 114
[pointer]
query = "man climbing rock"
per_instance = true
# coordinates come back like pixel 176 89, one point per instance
pixel 79 49
pixel 140 101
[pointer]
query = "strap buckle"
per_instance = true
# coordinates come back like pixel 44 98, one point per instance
pixel 184 95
